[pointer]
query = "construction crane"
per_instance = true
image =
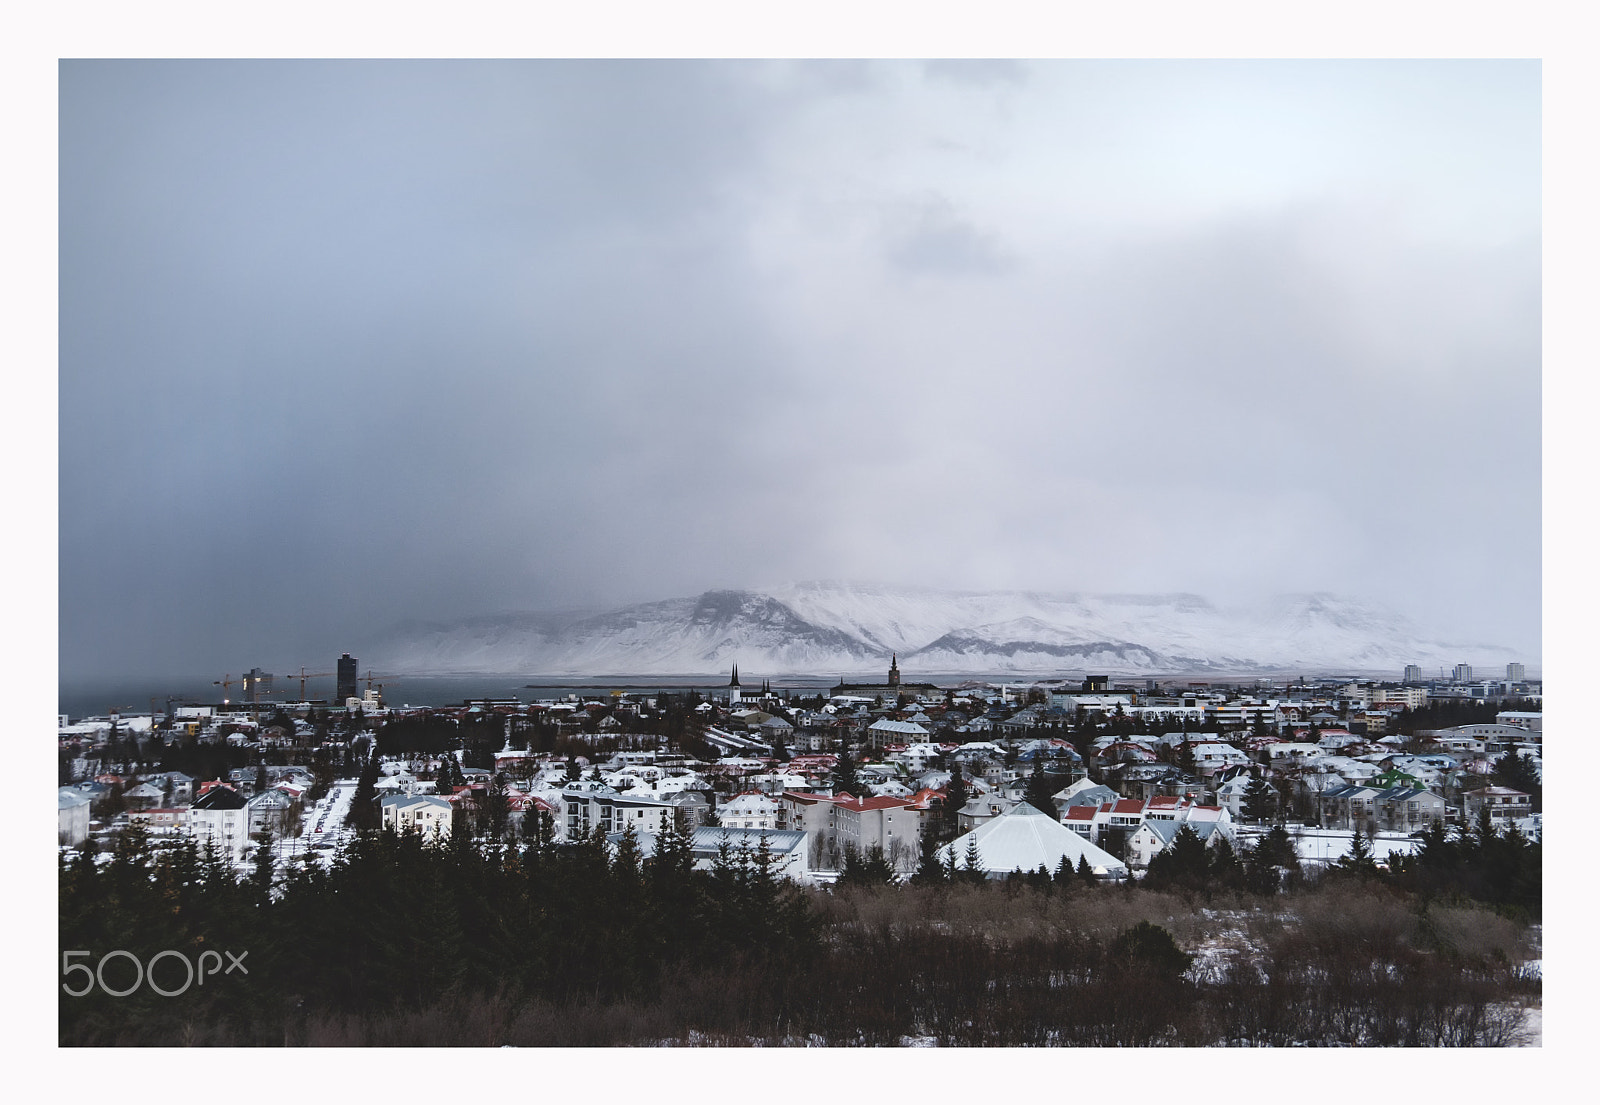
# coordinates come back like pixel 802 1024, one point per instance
pixel 304 675
pixel 370 677
pixel 225 682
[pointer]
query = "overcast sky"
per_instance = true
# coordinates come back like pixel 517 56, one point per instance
pixel 343 344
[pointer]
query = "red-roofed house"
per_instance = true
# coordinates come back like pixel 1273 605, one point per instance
pixel 1080 819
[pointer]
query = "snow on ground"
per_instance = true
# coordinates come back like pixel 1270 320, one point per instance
pixel 1533 1027
pixel 324 828
pixel 1213 955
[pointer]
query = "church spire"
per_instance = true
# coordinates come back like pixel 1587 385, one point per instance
pixel 894 669
pixel 734 682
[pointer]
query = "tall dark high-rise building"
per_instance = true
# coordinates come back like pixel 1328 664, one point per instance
pixel 347 679
pixel 255 684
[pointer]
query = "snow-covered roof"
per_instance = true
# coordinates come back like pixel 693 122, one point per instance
pixel 1026 838
pixel 1092 795
pixel 406 801
pixel 906 728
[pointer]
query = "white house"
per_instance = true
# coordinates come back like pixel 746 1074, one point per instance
pixel 581 810
pixel 267 810
pixel 1154 837
pixel 894 732
pixel 1503 804
pixel 1084 792
pixel 427 814
pixel 751 810
pixel 73 823
pixel 1211 756
pixel 219 818
pixel 788 849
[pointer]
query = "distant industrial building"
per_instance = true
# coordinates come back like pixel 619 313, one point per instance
pixel 347 678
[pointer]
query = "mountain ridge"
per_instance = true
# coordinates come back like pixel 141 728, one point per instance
pixel 853 629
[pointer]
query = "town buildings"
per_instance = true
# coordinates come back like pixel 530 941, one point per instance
pixel 1338 755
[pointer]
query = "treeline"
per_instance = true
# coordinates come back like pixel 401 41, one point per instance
pixel 1489 866
pixel 405 942
pixel 397 923
pixel 1444 713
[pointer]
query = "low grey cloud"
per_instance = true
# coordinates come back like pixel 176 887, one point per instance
pixel 930 236
pixel 343 344
pixel 982 72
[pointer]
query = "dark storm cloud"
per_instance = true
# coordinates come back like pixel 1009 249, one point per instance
pixel 346 343
pixel 331 334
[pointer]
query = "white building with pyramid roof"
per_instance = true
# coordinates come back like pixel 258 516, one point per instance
pixel 1026 839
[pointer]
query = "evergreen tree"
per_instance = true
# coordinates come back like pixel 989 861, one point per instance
pixel 1227 870
pixel 1271 862
pixel 869 868
pixel 1503 869
pixel 957 795
pixel 1260 800
pixel 1186 760
pixel 1149 949
pixel 1184 864
pixel 1358 860
pixel 974 862
pixel 673 886
pixel 673 858
pixel 495 816
pixel 1039 879
pixel 845 779
pixel 261 874
pixel 1085 872
pixel 363 804
pixel 538 828
pixel 930 872
pixel 627 865
pixel 1040 788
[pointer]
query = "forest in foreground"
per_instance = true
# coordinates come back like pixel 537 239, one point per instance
pixel 466 943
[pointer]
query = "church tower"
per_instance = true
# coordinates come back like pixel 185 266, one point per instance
pixel 733 687
pixel 894 670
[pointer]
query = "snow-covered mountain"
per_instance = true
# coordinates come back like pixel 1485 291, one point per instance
pixel 837 628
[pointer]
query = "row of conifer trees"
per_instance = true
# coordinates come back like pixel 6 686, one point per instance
pixel 396 925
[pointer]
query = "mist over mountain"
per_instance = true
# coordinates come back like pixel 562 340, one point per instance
pixel 852 629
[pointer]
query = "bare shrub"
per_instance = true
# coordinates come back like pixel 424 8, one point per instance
pixel 1474 933
pixel 1355 919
